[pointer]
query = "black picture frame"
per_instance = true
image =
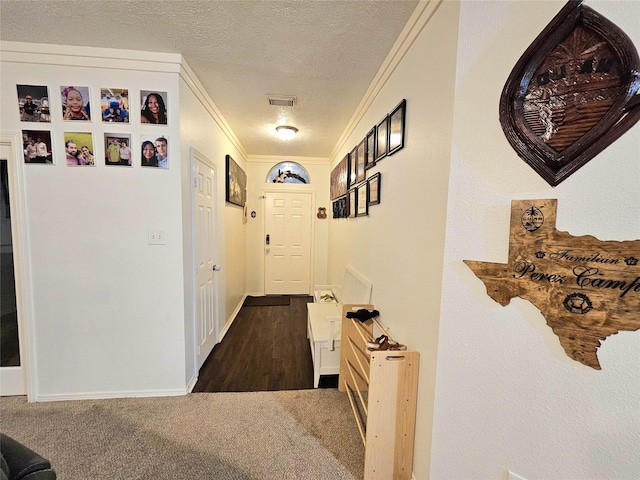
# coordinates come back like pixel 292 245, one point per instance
pixel 340 207
pixel 382 138
pixel 236 184
pixel 353 168
pixel 352 203
pixel 362 199
pixel 374 189
pixel 361 173
pixel 370 149
pixel 396 127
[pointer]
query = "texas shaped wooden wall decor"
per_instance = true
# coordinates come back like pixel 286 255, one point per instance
pixel 586 289
pixel 572 93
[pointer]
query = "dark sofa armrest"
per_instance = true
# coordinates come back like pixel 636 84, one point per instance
pixel 24 463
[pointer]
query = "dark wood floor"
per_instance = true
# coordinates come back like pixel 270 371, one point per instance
pixel 266 348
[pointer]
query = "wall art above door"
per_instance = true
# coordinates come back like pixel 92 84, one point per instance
pixel 572 93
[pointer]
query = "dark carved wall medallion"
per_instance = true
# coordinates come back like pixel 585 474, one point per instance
pixel 572 93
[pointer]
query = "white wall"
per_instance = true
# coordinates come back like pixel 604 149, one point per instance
pixel 400 245
pixel 107 307
pixel 507 396
pixel 258 169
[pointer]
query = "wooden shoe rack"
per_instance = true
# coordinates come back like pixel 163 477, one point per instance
pixel 382 387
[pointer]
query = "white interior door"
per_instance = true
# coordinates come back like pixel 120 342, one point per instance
pixel 12 378
pixel 287 243
pixel 205 249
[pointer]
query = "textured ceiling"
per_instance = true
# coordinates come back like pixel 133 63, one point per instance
pixel 325 52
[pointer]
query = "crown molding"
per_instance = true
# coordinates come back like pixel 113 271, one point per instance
pixel 416 23
pixel 196 87
pixel 94 57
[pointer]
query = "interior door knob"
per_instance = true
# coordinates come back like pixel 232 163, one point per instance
pixel 216 268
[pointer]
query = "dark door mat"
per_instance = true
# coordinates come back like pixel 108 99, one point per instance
pixel 270 301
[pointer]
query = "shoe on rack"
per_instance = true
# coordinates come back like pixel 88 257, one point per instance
pixel 380 343
pixel 396 346
pixel 363 314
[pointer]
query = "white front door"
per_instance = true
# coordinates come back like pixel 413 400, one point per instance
pixel 11 364
pixel 287 243
pixel 207 328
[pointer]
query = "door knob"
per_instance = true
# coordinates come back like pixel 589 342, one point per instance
pixel 216 268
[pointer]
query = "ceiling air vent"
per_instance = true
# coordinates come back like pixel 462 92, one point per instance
pixel 282 100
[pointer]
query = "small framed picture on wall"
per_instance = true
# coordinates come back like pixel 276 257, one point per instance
pixel 75 103
pixel 154 151
pixel 382 138
pixel 78 148
pixel 118 149
pixel 114 103
pixel 37 146
pixel 396 127
pixel 370 149
pixel 236 185
pixel 374 189
pixel 353 167
pixel 352 203
pixel 361 162
pixel 33 103
pixel 363 196
pixel 153 107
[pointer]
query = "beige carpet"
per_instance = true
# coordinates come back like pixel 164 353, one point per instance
pixel 301 434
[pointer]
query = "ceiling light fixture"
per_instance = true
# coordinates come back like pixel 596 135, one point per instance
pixel 286 132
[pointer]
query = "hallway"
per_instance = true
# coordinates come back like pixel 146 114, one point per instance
pixel 265 349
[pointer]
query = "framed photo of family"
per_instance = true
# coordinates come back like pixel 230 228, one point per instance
pixel 114 104
pixel 37 146
pixel 236 185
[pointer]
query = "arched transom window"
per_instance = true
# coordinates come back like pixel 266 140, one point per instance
pixel 288 172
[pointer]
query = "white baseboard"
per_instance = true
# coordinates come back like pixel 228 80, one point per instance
pixel 105 395
pixel 192 383
pixel 225 329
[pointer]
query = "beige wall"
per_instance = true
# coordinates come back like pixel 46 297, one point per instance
pixel 507 396
pixel 400 245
